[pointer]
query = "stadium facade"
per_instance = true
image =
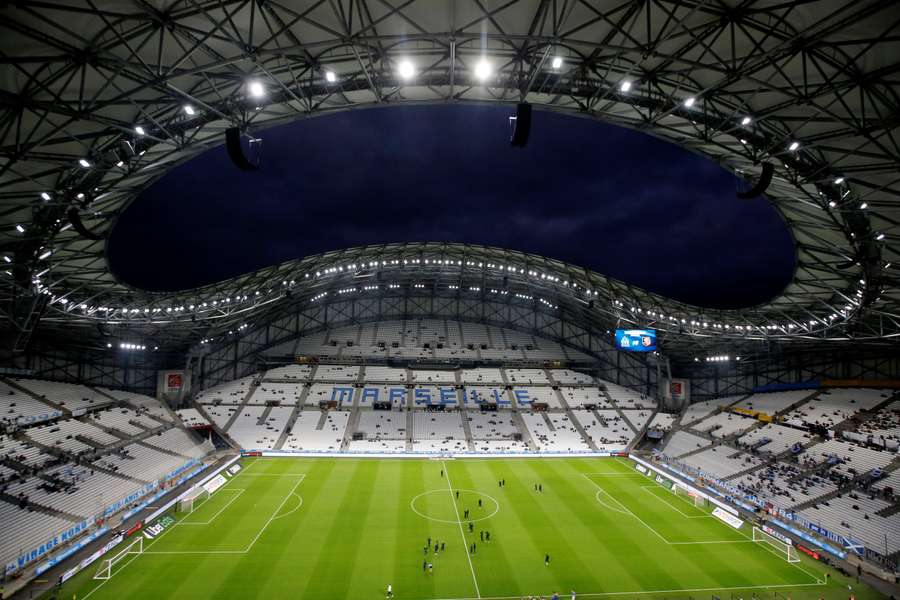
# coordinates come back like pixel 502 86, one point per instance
pixel 99 102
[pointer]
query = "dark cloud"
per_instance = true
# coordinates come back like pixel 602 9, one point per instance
pixel 616 201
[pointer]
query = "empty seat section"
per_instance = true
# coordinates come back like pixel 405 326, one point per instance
pixel 17 407
pixel 318 431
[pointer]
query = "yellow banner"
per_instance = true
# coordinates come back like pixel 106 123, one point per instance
pixel 752 413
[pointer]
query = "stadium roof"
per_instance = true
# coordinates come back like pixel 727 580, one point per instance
pixel 101 99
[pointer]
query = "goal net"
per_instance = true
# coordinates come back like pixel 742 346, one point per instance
pixel 784 548
pixel 697 500
pixel 193 499
pixel 107 566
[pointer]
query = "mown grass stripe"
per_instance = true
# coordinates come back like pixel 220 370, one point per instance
pixel 355 532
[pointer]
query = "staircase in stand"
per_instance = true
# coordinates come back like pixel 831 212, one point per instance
pixel 352 426
pixel 240 407
pixel 410 423
pixel 523 430
pixel 575 422
pixel 464 415
pixel 216 427
pixel 605 394
pixel 295 413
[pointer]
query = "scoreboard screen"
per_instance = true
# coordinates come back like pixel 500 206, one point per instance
pixel 636 340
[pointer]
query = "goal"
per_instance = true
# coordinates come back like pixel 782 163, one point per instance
pixel 698 500
pixel 192 499
pixel 106 567
pixel 781 546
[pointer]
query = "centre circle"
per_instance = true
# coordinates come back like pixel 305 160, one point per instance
pixel 435 505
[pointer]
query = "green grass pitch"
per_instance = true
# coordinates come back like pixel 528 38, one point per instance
pixel 346 528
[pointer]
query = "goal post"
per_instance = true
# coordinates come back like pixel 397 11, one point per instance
pixel 781 546
pixel 106 567
pixel 691 496
pixel 192 500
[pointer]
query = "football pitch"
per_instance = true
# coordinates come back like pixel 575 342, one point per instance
pixel 347 528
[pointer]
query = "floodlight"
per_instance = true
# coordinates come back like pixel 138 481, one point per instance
pixel 45 196
pixel 482 70
pixel 689 102
pixel 794 146
pixel 839 181
pixel 625 86
pixel 406 69
pixel 330 77
pixel 746 121
pixel 84 163
pixel 189 109
pixel 557 62
pixel 140 130
pixel 256 89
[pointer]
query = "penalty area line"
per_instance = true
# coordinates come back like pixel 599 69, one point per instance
pixel 240 491
pixel 159 537
pixel 274 514
pixel 650 488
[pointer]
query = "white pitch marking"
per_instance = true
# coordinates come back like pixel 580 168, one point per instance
pixel 272 518
pixel 625 461
pixel 666 501
pixel 153 541
pixel 644 592
pixel 441 491
pixel 275 474
pixel 220 511
pixel 461 532
pixel 293 510
pixel 612 508
pixel 611 474
pixel 656 533
pixel 196 552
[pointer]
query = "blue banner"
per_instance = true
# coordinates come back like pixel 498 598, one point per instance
pixel 70 551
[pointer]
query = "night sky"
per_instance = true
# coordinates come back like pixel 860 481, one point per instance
pixel 613 200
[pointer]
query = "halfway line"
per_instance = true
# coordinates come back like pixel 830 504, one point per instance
pixel 461 532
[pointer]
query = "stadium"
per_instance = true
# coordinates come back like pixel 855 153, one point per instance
pixel 449 299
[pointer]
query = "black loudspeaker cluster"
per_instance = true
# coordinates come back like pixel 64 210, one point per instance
pixel 521 125
pixel 765 178
pixel 77 225
pixel 235 152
